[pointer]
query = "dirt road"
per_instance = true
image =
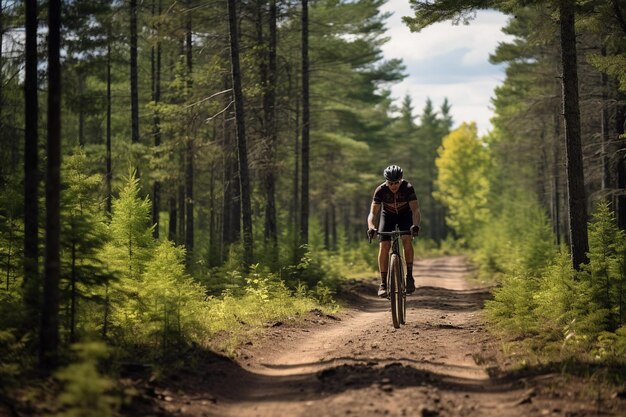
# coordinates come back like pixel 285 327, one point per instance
pixel 358 364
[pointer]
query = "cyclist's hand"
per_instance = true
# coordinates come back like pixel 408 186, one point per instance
pixel 415 230
pixel 371 233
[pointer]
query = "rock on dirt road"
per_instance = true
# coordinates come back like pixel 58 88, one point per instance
pixel 357 364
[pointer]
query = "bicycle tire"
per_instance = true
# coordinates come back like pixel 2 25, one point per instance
pixel 395 290
pixel 402 298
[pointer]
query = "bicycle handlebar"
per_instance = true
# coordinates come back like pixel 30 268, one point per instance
pixel 393 233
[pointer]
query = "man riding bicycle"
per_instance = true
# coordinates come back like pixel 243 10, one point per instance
pixel 399 207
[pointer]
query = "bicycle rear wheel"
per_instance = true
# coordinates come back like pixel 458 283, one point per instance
pixel 402 286
pixel 396 291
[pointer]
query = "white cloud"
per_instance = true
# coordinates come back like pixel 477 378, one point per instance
pixel 448 61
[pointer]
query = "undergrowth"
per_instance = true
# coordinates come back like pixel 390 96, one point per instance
pixel 544 309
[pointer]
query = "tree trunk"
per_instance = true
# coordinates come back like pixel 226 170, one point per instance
pixel 556 175
pixel 190 149
pixel 49 336
pixel 620 128
pixel 81 112
pixel 304 208
pixel 269 104
pixel 577 201
pixel 244 178
pixel 296 180
pixel 73 295
pixel 31 166
pixel 156 120
pixel 605 131
pixel 180 237
pixel 109 173
pixel 333 226
pixel 171 232
pixel 134 93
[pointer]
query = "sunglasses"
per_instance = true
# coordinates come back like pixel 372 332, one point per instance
pixel 393 183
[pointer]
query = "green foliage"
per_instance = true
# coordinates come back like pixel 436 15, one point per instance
pixel 169 309
pixel 84 234
pixel 11 360
pixel 11 235
pixel 576 313
pixel 86 392
pixel 614 66
pixel 606 274
pixel 462 184
pixel 265 298
pixel 130 231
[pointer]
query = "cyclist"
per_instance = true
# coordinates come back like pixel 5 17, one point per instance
pixel 399 206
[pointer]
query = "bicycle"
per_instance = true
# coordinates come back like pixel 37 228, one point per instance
pixel 396 277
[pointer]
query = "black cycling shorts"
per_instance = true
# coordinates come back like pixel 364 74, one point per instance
pixel 388 223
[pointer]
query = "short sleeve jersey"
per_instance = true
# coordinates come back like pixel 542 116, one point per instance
pixel 397 203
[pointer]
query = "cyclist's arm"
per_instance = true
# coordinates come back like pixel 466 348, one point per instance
pixel 374 212
pixel 415 209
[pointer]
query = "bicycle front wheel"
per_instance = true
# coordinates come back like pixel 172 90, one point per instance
pixel 396 291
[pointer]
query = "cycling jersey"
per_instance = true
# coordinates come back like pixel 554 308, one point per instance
pixel 397 203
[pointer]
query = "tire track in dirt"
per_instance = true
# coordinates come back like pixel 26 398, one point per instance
pixel 363 366
pixel 358 364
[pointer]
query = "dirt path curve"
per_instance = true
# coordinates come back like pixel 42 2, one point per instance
pixel 358 364
pixel 362 366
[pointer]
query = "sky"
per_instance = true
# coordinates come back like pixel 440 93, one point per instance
pixel 446 60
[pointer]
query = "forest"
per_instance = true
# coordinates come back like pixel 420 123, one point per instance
pixel 173 171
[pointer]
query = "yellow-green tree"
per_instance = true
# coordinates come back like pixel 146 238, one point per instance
pixel 462 183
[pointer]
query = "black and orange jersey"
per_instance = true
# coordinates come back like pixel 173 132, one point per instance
pixel 397 203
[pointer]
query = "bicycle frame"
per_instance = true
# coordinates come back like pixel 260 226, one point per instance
pixel 396 277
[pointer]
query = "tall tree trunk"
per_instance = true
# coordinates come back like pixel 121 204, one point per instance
pixel 180 238
pixel 81 112
pixel 134 93
pixel 212 218
pixel 190 147
pixel 605 130
pixel 109 173
pixel 49 336
pixel 270 134
pixel 304 202
pixel 556 180
pixel 156 120
pixel 620 128
pixel 577 200
pixel 31 166
pixel 73 295
pixel 296 180
pixel 333 224
pixel 244 178
pixel 171 231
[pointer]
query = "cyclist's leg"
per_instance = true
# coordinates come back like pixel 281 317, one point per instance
pixel 408 249
pixel 407 243
pixel 385 225
pixel 408 257
pixel 383 258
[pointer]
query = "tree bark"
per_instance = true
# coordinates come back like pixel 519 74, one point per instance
pixel 156 120
pixel 171 232
pixel 605 131
pixel 31 165
pixel 244 178
pixel 577 200
pixel 189 230
pixel 134 93
pixel 109 173
pixel 269 110
pixel 304 208
pixel 556 180
pixel 49 335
